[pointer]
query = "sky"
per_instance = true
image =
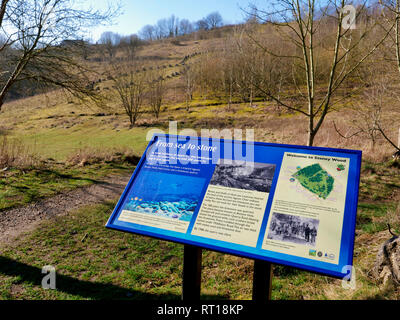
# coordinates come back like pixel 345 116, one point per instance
pixel 138 13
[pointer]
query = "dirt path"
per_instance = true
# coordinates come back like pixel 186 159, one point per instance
pixel 13 222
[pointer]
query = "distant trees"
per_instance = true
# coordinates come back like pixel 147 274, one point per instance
pixel 148 32
pixel 30 50
pixel 110 40
pixel 237 71
pixel 185 27
pixel 173 27
pixel 130 44
pixel 201 25
pixel 161 29
pixel 214 20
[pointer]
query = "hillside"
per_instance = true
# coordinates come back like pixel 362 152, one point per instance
pixel 58 144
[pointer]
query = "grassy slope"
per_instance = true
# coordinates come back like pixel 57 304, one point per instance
pixel 110 264
pixel 20 187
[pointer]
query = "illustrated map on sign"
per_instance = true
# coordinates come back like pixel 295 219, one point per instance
pixel 315 179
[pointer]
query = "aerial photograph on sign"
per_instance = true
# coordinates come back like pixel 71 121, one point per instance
pixel 244 175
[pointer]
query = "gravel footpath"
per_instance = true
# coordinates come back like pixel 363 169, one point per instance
pixel 15 221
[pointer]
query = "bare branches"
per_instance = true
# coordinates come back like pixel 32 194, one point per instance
pixel 371 116
pixel 387 138
pixel 130 84
pixel 34 31
pixel 343 136
pixel 189 78
pixel 301 25
pixel 3 8
pixel 156 91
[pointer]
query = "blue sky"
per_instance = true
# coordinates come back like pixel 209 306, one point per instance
pixel 137 13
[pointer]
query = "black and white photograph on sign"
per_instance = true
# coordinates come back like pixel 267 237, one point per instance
pixel 300 230
pixel 243 175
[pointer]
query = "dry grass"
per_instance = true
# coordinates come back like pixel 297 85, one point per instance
pixel 87 156
pixel 393 219
pixel 13 153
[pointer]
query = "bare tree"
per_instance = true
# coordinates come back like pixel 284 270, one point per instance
pixel 172 25
pixel 201 24
pixel 189 84
pixel 148 32
pixel 300 26
pixel 156 91
pixel 31 50
pixel 130 86
pixel 110 40
pixel 374 116
pixel 228 75
pixel 392 15
pixel 367 118
pixel 185 27
pixel 162 29
pixel 214 20
pixel 130 44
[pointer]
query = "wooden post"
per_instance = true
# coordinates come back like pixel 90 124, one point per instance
pixel 191 280
pixel 262 281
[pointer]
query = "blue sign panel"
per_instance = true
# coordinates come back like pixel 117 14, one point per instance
pixel 290 205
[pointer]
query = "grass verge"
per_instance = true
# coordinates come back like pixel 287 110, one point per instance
pixel 23 186
pixel 93 262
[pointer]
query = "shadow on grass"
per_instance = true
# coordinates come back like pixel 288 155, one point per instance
pixel 69 285
pixel 60 175
pixel 82 288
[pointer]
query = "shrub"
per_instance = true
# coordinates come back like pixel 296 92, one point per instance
pixel 87 156
pixel 14 153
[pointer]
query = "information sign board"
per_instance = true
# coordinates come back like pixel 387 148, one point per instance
pixel 286 204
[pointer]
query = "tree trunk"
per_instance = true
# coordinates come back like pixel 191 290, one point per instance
pixel 251 97
pixel 310 137
pixel 311 131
